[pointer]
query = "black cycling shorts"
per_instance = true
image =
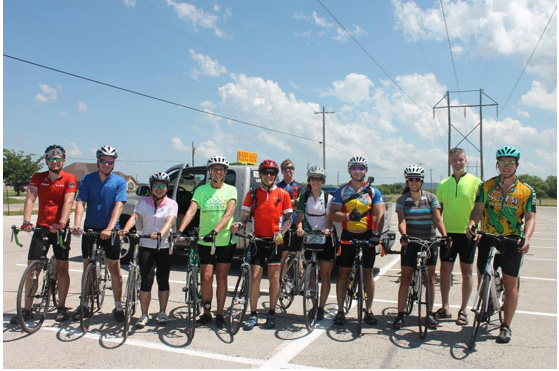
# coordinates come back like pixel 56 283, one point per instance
pixel 223 254
pixel 347 257
pixel 409 255
pixel 36 246
pixel 112 251
pixel 510 261
pixel 267 254
pixel 461 245
pixel 150 259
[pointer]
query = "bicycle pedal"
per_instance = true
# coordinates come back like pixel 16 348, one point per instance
pixel 184 289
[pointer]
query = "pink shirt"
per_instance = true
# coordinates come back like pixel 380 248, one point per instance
pixel 153 219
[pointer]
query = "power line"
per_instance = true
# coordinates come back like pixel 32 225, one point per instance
pixel 158 99
pixel 415 37
pixel 450 48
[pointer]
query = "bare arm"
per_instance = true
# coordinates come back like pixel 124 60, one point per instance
pixel 336 214
pixel 130 223
pixel 530 219
pixel 30 198
pixel 438 222
pixel 67 207
pixel 166 227
pixel 242 221
pixel 287 223
pixel 188 216
pixel 80 209
pixel 379 210
pixel 475 217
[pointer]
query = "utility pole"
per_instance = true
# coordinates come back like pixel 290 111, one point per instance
pixel 431 177
pixel 323 135
pixel 480 105
pixel 193 151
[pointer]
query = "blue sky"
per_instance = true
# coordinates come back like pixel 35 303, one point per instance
pixel 274 64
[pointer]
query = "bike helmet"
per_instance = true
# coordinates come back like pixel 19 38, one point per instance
pixel 217 160
pixel 107 151
pixel 159 177
pixel 413 171
pixel 315 170
pixel 508 151
pixel 268 164
pixel 55 150
pixel 357 160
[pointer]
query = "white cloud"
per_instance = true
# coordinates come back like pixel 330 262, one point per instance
pixel 74 150
pixel 177 144
pixel 196 17
pixel 130 3
pixel 325 27
pixel 81 108
pixel 354 89
pixel 540 98
pixel 47 94
pixel 206 66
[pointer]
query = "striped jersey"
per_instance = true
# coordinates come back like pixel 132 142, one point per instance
pixel 419 219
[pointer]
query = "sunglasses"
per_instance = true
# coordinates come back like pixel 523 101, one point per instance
pixel 288 168
pixel 55 159
pixel 316 178
pixel 506 163
pixel 414 179
pixel 159 186
pixel 106 162
pixel 358 168
pixel 268 172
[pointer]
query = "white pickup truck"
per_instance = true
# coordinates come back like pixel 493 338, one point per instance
pixel 185 179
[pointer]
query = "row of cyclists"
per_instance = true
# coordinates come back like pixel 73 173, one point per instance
pixel 281 211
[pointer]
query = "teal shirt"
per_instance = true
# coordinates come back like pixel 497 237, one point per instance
pixel 212 204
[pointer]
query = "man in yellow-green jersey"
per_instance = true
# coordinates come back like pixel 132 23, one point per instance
pixel 456 194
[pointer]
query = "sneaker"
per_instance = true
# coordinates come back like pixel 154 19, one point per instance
pixel 339 320
pixel 26 315
pixel 370 319
pixel 505 335
pixel 162 318
pixel 251 322
pixel 398 322
pixel 432 322
pixel 204 319
pixel 320 314
pixel 219 321
pixel 78 313
pixel 143 321
pixel 118 313
pixel 270 321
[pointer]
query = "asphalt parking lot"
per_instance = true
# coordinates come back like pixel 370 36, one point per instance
pixel 63 345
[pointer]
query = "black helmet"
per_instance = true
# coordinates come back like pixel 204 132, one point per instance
pixel 55 150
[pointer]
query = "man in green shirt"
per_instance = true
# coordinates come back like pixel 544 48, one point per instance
pixel 456 195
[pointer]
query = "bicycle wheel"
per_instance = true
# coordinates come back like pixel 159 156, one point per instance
pixel 88 296
pixel 479 310
pixel 191 301
pixel 103 281
pixel 351 291
pixel 310 297
pixel 412 295
pixel 240 300
pixel 423 298
pixel 130 305
pixel 37 295
pixel 288 271
pixel 360 298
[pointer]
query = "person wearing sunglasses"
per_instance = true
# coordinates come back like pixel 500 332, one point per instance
pixel 419 213
pixel 507 206
pixel 293 188
pixel 456 195
pixel 103 193
pixel 360 208
pixel 55 189
pixel 216 201
pixel 266 206
pixel 312 215
pixel 158 214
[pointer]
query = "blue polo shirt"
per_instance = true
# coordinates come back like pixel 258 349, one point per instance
pixel 101 198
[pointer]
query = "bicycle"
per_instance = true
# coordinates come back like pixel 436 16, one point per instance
pixel 132 293
pixel 490 293
pixel 315 242
pixel 291 274
pixel 96 279
pixel 241 295
pixel 28 293
pixel 419 290
pixel 356 287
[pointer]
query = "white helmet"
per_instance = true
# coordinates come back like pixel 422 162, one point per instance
pixel 217 160
pixel 316 170
pixel 414 170
pixel 357 160
pixel 159 177
pixel 107 151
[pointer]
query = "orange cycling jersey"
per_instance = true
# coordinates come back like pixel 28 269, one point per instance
pixel 269 207
pixel 51 195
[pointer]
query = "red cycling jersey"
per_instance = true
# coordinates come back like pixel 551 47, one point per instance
pixel 270 207
pixel 51 195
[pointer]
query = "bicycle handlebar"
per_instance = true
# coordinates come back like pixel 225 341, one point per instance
pixel 16 230
pixel 253 238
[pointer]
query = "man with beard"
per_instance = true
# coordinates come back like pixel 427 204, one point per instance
pixel 56 190
pixel 360 209
pixel 104 194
